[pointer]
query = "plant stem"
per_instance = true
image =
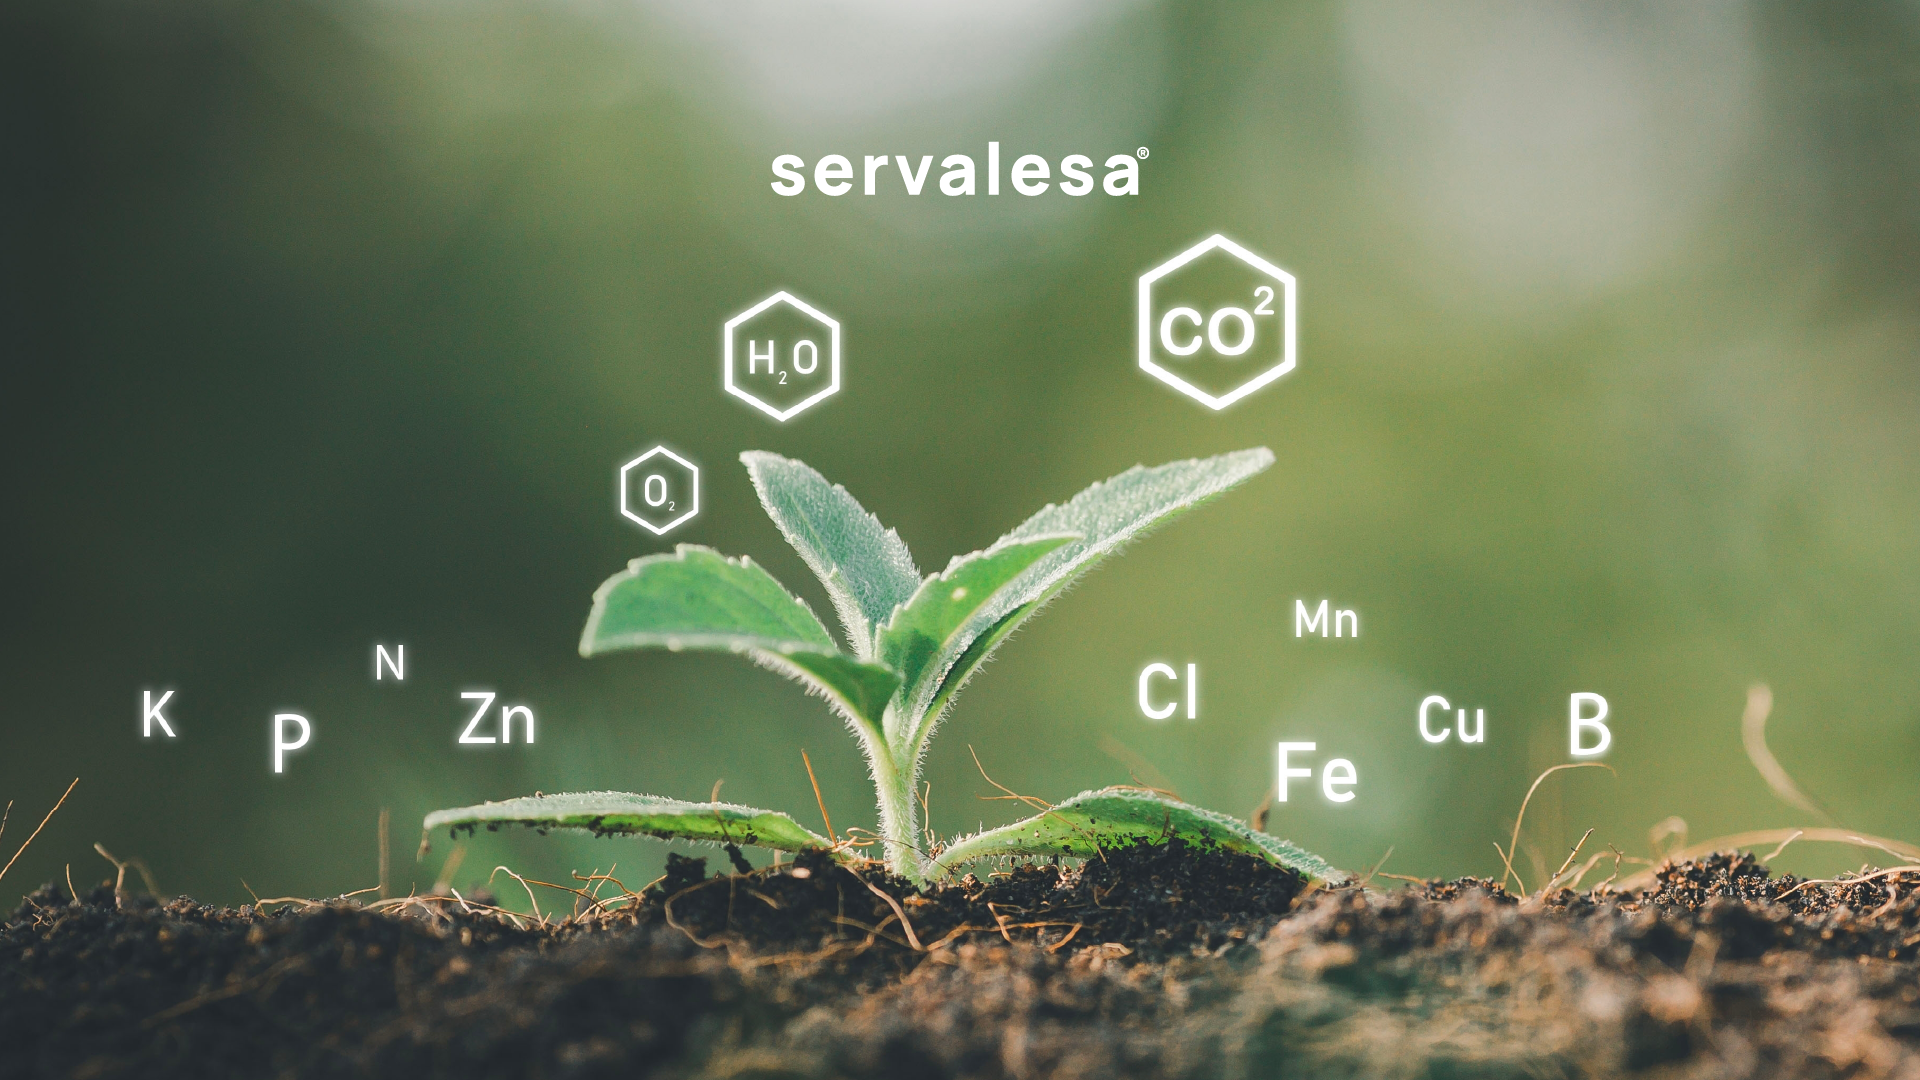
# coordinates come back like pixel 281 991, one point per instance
pixel 899 829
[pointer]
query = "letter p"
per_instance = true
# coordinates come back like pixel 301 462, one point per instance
pixel 282 723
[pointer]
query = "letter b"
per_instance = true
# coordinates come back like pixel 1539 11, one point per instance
pixel 1596 722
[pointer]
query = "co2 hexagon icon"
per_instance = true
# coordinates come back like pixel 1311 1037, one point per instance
pixel 659 490
pixel 1216 322
pixel 782 355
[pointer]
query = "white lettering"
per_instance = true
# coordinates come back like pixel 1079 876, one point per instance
pixel 1286 771
pixel 1074 168
pixel 1166 331
pixel 1146 697
pixel 1318 621
pixel 830 174
pixel 1435 737
pixel 1476 735
pixel 813 357
pixel 1588 723
pixel 754 356
pixel 959 168
pixel 834 175
pixel 787 167
pixel 1219 344
pixel 914 181
pixel 1338 773
pixel 1030 174
pixel 280 743
pixel 1342 623
pixel 150 714
pixel 507 714
pixel 486 702
pixel 397 663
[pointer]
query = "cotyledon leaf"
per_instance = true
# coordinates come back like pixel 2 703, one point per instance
pixel 862 687
pixel 697 598
pixel 866 568
pixel 1106 516
pixel 607 813
pixel 920 628
pixel 1115 816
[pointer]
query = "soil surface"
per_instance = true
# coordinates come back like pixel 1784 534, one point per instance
pixel 1148 962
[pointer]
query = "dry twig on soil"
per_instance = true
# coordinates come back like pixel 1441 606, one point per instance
pixel 37 828
pixel 1863 878
pixel 1753 736
pixel 1900 849
pixel 1514 843
pixel 1571 855
pixel 817 798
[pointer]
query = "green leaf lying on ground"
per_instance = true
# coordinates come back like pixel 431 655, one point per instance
pixel 609 812
pixel 1115 816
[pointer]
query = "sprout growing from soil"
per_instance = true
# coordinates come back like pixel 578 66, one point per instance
pixel 912 643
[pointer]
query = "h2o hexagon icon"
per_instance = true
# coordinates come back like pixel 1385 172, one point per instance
pixel 659 490
pixel 782 355
pixel 1216 322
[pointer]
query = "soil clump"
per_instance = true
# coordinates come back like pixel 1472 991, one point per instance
pixel 1152 962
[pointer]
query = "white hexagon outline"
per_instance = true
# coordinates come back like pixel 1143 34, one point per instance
pixel 1213 243
pixel 782 297
pixel 626 512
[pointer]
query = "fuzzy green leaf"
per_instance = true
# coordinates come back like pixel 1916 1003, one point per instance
pixel 925 625
pixel 608 813
pixel 862 688
pixel 866 568
pixel 1106 516
pixel 697 598
pixel 976 654
pixel 1115 816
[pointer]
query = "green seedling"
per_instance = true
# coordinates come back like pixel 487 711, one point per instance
pixel 912 643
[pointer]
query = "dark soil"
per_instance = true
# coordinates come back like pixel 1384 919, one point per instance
pixel 1149 962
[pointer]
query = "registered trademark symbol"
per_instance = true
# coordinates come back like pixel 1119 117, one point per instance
pixel 1142 152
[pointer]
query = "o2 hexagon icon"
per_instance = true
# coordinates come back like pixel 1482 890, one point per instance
pixel 1216 322
pixel 659 490
pixel 782 355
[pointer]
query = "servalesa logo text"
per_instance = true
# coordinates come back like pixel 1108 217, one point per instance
pixel 1031 175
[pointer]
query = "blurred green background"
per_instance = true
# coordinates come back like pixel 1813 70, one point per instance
pixel 330 324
